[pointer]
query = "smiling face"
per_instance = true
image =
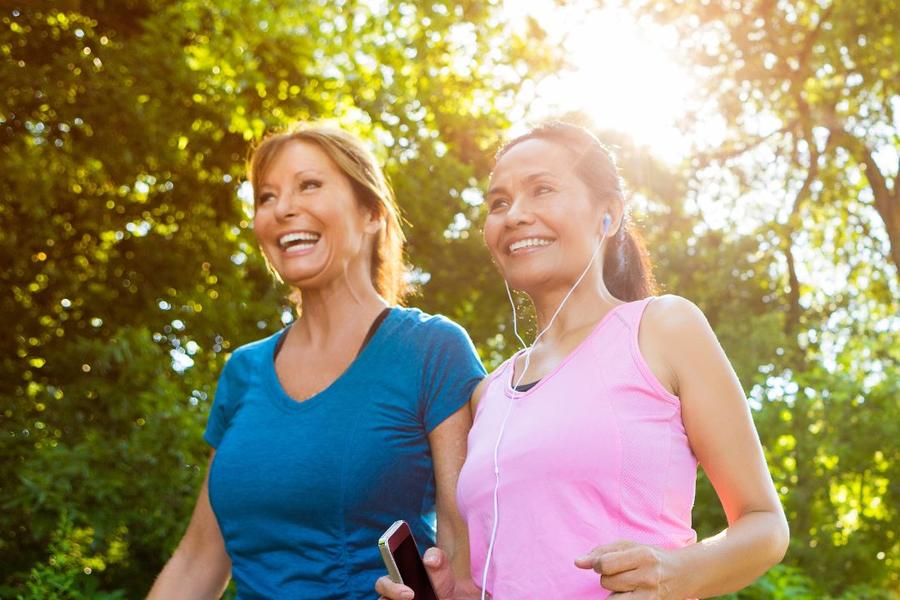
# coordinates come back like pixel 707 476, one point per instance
pixel 307 219
pixel 543 224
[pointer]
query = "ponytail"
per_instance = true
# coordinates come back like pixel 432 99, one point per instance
pixel 627 269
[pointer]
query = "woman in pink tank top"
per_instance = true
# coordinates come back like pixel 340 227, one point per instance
pixel 582 459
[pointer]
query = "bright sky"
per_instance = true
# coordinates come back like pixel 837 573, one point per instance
pixel 623 73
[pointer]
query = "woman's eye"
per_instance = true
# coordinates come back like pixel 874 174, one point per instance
pixel 265 198
pixel 310 184
pixel 498 204
pixel 542 189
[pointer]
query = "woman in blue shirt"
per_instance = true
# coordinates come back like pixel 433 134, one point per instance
pixel 356 415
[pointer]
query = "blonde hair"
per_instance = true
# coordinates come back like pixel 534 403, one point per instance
pixel 370 187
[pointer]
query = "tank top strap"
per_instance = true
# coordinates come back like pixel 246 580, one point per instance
pixel 630 315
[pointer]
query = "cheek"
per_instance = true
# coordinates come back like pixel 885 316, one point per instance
pixel 346 229
pixel 576 228
pixel 260 223
pixel 491 234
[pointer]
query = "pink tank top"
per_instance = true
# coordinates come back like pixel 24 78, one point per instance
pixel 594 453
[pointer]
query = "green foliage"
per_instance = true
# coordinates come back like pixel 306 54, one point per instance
pixel 131 268
pixel 127 253
pixel 810 86
pixel 67 573
pixel 806 299
pixel 790 583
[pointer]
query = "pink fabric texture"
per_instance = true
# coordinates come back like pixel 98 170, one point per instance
pixel 594 453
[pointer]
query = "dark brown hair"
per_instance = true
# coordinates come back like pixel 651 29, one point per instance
pixel 627 270
pixel 370 187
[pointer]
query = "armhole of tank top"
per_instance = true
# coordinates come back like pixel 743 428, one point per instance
pixel 638 356
pixel 489 381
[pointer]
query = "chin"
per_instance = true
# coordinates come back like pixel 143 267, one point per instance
pixel 525 282
pixel 301 278
pixel 305 272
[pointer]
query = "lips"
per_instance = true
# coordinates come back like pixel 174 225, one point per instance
pixel 526 244
pixel 298 241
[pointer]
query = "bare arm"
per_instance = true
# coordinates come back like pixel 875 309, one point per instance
pixel 722 435
pixel 448 450
pixel 449 570
pixel 686 357
pixel 200 567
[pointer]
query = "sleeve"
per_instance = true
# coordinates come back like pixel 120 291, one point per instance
pixel 222 409
pixel 451 371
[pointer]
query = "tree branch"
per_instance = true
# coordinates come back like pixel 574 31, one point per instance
pixel 886 200
pixel 793 316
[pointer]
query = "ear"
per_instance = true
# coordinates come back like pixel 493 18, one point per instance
pixel 373 222
pixel 616 211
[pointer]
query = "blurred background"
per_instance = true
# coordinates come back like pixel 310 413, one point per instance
pixel 759 140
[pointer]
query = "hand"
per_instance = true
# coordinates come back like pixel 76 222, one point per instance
pixel 634 571
pixel 442 579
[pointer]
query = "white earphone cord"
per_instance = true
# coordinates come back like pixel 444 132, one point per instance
pixel 515 317
pixel 528 349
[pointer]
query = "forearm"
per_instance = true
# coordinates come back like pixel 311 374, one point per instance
pixel 734 558
pixel 462 568
pixel 191 578
pixel 448 446
pixel 454 541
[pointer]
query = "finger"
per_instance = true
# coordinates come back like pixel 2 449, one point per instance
pixel 621 561
pixel 589 560
pixel 614 561
pixel 440 573
pixel 629 581
pixel 633 595
pixel 434 557
pixel 391 590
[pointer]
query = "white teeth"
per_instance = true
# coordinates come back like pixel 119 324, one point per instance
pixel 299 236
pixel 528 243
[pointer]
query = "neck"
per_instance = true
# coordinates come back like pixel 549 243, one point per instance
pixel 339 309
pixel 584 307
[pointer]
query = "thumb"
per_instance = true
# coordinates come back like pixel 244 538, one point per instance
pixel 434 558
pixel 439 572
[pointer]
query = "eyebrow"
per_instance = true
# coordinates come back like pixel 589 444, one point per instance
pixel 527 179
pixel 305 171
pixel 296 176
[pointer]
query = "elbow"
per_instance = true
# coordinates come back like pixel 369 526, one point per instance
pixel 780 539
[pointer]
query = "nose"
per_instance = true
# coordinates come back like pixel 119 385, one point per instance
pixel 286 206
pixel 519 213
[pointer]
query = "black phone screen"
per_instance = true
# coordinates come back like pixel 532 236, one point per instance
pixel 409 563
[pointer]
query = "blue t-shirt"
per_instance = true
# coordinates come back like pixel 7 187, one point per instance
pixel 303 490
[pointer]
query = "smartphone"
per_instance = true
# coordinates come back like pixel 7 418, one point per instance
pixel 403 561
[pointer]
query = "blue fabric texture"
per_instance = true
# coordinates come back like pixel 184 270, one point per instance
pixel 303 490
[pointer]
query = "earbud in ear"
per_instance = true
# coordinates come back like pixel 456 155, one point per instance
pixel 607 222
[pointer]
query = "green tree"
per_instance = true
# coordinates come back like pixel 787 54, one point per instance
pixel 128 255
pixel 803 163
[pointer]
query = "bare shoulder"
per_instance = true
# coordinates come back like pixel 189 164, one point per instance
pixel 674 337
pixel 672 317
